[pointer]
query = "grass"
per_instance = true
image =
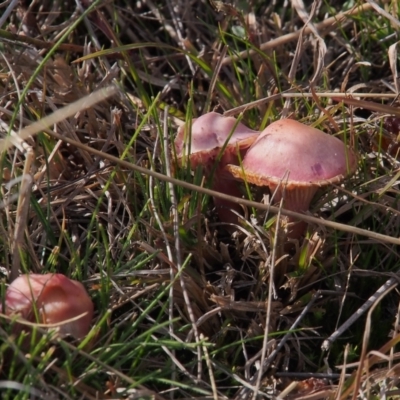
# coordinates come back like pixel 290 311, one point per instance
pixel 184 308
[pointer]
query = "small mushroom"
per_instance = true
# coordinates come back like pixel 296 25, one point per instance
pixel 56 299
pixel 209 134
pixel 295 160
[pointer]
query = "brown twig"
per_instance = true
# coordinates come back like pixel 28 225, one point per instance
pixel 40 44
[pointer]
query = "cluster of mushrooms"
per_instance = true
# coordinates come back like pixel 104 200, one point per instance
pixel 52 300
pixel 290 159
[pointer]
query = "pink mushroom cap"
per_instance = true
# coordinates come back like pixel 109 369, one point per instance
pixel 56 298
pixel 310 156
pixel 209 134
pixel 288 154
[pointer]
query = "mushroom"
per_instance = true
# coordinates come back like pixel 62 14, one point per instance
pixel 211 134
pixel 56 299
pixel 294 160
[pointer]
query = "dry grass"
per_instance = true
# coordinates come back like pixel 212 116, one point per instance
pixel 185 308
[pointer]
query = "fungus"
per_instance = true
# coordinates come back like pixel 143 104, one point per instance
pixel 56 299
pixel 295 160
pixel 210 134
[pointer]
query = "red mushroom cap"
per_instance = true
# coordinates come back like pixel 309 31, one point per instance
pixel 57 299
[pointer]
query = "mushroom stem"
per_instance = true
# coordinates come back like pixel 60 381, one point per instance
pixel 225 208
pixel 294 200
